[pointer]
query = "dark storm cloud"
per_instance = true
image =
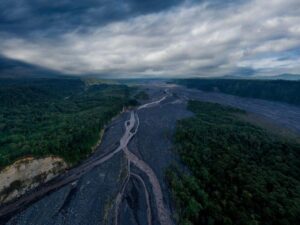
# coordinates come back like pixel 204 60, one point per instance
pixel 23 17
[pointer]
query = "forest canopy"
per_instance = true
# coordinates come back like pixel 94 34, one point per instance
pixel 236 173
pixel 275 90
pixel 55 116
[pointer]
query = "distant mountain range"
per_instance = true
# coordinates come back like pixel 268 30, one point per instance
pixel 10 68
pixel 285 76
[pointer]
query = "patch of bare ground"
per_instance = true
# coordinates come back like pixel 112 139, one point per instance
pixel 28 173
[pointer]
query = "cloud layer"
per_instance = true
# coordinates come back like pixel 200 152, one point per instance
pixel 171 39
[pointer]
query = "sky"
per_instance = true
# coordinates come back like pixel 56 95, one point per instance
pixel 154 38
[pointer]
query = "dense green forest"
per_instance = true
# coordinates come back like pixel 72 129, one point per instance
pixel 236 173
pixel 59 116
pixel 276 90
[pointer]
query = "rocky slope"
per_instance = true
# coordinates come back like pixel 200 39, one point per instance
pixel 26 174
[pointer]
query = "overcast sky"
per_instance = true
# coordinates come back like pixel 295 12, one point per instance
pixel 163 38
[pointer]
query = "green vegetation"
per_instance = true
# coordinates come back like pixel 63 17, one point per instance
pixel 236 173
pixel 142 95
pixel 276 90
pixel 61 116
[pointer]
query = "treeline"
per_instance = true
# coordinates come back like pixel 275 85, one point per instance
pixel 236 172
pixel 27 91
pixel 60 117
pixel 275 90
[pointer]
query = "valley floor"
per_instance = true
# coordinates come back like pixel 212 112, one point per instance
pixel 123 187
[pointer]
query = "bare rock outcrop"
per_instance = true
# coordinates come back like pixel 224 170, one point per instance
pixel 26 174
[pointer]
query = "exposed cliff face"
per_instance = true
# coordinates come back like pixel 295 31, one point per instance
pixel 26 174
